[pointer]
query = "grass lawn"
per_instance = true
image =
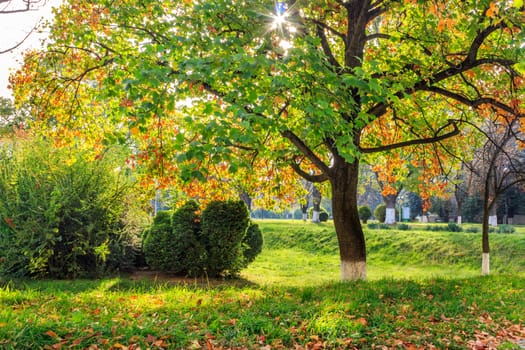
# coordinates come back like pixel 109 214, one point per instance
pixel 424 291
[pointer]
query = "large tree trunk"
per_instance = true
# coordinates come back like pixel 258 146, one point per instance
pixel 390 202
pixel 348 228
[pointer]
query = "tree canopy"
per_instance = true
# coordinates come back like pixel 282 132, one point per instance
pixel 195 83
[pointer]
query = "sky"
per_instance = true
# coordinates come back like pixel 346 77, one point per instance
pixel 13 29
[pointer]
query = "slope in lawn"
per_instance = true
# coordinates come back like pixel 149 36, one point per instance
pixel 297 252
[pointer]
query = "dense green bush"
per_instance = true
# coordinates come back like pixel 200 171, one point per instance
pixel 224 226
pixel 380 212
pixel 450 227
pixel 155 239
pixel 506 229
pixel 453 227
pixel 378 226
pixel 364 213
pixel 403 227
pixel 173 244
pixel 220 241
pixel 63 213
pixel 253 242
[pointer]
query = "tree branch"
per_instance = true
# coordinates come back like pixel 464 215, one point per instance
pixel 308 177
pixel 304 149
pixel 326 46
pixel 414 142
pixel 19 43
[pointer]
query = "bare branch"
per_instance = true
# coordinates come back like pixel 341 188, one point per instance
pixel 19 43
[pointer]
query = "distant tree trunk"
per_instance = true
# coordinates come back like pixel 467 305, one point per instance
pixel 316 202
pixel 245 197
pixel 485 247
pixel 390 201
pixel 346 220
pixel 304 210
pixel 493 217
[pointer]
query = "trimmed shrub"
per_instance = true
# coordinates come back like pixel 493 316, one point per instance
pixel 253 242
pixel 506 229
pixel 403 227
pixel 378 226
pixel 224 226
pixel 188 252
pixel 453 227
pixel 472 229
pixel 364 213
pixel 380 212
pixel 221 241
pixel 172 243
pixel 155 240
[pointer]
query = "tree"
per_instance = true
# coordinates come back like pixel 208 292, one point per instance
pixel 303 88
pixel 498 166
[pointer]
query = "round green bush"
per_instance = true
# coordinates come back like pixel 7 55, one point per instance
pixel 189 254
pixel 253 242
pixel 155 240
pixel 224 226
pixel 364 213
pixel 380 212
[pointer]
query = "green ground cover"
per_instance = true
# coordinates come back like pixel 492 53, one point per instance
pixel 424 292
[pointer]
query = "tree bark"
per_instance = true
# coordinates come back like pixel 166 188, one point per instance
pixel 348 228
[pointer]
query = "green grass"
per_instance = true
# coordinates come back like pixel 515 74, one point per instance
pixel 304 254
pixel 424 291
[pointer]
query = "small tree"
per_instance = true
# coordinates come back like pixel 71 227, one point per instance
pixel 364 213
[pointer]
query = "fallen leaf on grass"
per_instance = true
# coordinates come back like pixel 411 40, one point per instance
pixel 52 334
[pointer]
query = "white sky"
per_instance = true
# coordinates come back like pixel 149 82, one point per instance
pixel 13 29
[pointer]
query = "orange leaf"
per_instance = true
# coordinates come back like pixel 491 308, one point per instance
pixel 362 321
pixel 52 334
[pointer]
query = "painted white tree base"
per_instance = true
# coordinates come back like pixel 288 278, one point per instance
pixel 390 217
pixel 459 220
pixel 485 264
pixel 353 270
pixel 305 216
pixel 315 216
pixel 493 220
